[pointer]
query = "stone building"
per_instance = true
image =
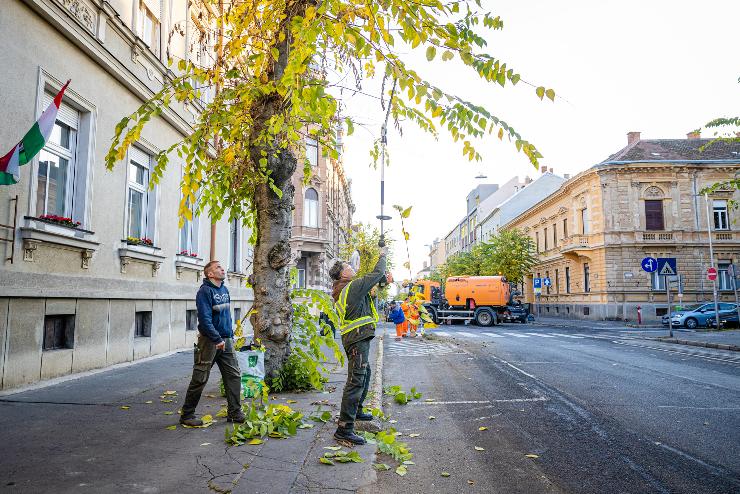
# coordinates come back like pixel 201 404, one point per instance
pixel 593 232
pixel 322 217
pixel 79 298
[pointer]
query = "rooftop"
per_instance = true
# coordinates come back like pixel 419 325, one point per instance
pixel 676 149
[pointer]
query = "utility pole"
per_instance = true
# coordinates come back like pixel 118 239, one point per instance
pixel 711 261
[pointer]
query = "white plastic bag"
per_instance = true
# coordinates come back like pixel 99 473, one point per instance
pixel 252 363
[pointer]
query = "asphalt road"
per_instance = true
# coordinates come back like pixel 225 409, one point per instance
pixel 601 410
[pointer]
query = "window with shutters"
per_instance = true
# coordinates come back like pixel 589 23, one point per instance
pixel 148 27
pixel 654 215
pixel 141 200
pixel 59 331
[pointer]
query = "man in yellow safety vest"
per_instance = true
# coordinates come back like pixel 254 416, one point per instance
pixel 357 320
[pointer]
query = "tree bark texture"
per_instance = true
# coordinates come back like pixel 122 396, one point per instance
pixel 272 319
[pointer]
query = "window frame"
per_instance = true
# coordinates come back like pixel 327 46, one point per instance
pixel 654 226
pixel 133 186
pixel 724 282
pixel 719 213
pixel 191 229
pixel 59 152
pixel 586 278
pixel 312 147
pixel 585 220
pixel 66 332
pixel 155 30
pixel 143 324
pixel 311 209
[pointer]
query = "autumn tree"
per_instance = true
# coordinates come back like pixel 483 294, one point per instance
pixel 277 68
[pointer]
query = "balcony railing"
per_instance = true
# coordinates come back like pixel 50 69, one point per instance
pixel 308 232
pixel 657 236
pixel 723 236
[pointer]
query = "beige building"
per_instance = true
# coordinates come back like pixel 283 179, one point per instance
pixel 592 233
pixel 74 298
pixel 322 217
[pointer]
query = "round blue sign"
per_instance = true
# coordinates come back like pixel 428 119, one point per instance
pixel 649 264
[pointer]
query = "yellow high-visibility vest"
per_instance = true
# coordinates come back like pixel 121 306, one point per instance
pixel 346 326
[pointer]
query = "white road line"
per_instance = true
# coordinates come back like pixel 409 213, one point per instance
pixel 468 334
pixel 510 400
pixel 517 335
pixel 493 335
pixel 569 336
pixel 540 335
pixel 441 333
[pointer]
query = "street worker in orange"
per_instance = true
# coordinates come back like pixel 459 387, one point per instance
pixel 398 318
pixel 412 315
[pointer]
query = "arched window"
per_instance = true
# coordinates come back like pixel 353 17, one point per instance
pixel 311 208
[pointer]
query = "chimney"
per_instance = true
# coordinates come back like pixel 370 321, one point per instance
pixel 544 169
pixel 695 134
pixel 632 137
pixel 566 176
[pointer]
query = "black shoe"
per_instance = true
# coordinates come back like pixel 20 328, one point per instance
pixel 191 421
pixel 364 416
pixel 237 418
pixel 349 436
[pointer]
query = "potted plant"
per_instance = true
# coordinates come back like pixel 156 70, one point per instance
pixel 59 220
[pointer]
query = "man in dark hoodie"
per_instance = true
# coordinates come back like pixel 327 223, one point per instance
pixel 215 345
pixel 358 317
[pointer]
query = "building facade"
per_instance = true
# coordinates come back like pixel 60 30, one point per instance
pixel 85 296
pixel 592 233
pixel 322 217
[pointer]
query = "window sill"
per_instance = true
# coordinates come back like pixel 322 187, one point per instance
pixel 140 253
pixel 36 231
pixel 183 263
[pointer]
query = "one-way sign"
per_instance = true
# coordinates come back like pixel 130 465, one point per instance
pixel 667 266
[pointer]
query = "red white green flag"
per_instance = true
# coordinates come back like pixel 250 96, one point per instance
pixel 33 142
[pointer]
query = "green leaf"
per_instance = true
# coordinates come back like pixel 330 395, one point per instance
pixel 381 467
pixel 550 94
pixel 540 92
pixel 401 470
pixel 447 55
pixel 326 461
pixel 445 474
pixel 350 126
pixel 431 52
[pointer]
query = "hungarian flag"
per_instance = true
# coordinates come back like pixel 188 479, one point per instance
pixel 33 142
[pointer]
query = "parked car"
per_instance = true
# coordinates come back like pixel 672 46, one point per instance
pixel 725 321
pixel 698 315
pixel 515 313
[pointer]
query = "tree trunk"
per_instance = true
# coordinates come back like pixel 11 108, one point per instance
pixel 272 319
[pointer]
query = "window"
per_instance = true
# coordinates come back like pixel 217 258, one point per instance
pixel 565 228
pixel 723 277
pixel 654 215
pixel 557 281
pixel 55 184
pixel 584 221
pixel 191 320
pixel 311 208
pixel 140 199
pixel 657 282
pixel 547 275
pixel 545 236
pixel 59 332
pixel 234 247
pixel 143 324
pixel 189 235
pixel 148 28
pixel 537 240
pixel 720 215
pixel 237 314
pixel 554 235
pixel 586 278
pixel 312 151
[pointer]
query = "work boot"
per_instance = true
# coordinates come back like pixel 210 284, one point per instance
pixel 191 421
pixel 364 416
pixel 241 418
pixel 349 435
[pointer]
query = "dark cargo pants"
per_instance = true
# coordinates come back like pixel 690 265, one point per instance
pixel 204 357
pixel 358 382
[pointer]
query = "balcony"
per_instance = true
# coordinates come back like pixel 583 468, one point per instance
pixel 657 237
pixel 723 236
pixel 577 245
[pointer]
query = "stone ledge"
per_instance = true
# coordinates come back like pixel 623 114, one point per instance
pixel 183 263
pixel 37 232
pixel 143 254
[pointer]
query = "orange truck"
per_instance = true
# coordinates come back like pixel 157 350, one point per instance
pixel 480 299
pixel 426 289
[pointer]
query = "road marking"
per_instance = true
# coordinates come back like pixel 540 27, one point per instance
pixel 440 333
pixel 688 354
pixel 541 335
pixel 569 336
pixel 517 335
pixel 493 335
pixel 509 400
pixel 699 408
pixel 463 333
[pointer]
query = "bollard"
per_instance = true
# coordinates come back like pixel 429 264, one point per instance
pixel 639 315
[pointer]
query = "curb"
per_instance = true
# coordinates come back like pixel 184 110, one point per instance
pixel 704 344
pixel 377 385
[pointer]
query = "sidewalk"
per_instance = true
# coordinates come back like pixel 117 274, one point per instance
pixel 108 432
pixel 723 340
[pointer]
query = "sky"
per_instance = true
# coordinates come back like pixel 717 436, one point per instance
pixel 660 67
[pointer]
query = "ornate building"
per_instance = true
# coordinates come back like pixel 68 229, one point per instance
pixel 592 233
pixel 322 217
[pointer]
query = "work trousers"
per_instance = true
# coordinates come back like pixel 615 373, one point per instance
pixel 358 382
pixel 402 329
pixel 205 356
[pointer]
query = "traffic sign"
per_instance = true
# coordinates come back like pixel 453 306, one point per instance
pixel 546 281
pixel 667 266
pixel 649 264
pixel 537 283
pixel 712 274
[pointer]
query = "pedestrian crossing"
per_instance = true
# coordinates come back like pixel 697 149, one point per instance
pixel 507 334
pixel 419 348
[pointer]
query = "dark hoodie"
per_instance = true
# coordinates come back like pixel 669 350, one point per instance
pixel 358 301
pixel 214 311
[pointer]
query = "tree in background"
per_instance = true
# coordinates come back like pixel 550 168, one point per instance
pixel 278 66
pixel 725 130
pixel 364 239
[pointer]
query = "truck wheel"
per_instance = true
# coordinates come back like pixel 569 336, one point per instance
pixel 484 317
pixel 433 315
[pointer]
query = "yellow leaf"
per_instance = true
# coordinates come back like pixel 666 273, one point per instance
pixel 169 413
pixel 291 401
pixel 207 418
pixel 125 407
pixel 171 427
pixel 478 448
pixel 170 392
pixel 482 428
pixel 149 402
pixel 532 456
pixel 550 94
pixel 501 133
pixel 255 441
pixel 406 212
pixel 540 92
pixel 445 474
pixel 406 235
